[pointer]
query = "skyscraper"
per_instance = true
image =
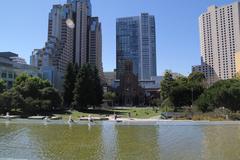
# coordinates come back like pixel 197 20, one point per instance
pixel 83 11
pixel 95 45
pixel 61 36
pixel 136 41
pixel 220 41
pixel 73 36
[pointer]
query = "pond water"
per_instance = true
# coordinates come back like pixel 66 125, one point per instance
pixel 25 139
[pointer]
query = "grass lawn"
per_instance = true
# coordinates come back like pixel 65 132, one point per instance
pixel 138 112
pixel 123 112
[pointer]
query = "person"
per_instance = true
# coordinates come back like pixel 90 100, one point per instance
pixel 70 120
pixel 90 119
pixel 115 116
pixel 129 115
pixel 46 118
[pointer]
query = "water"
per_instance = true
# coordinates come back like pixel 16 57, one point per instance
pixel 24 139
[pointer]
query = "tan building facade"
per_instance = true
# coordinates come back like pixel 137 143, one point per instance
pixel 237 61
pixel 219 41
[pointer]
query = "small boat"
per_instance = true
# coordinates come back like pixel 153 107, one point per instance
pixel 55 118
pixel 36 117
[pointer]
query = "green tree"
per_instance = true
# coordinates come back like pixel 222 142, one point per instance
pixel 110 96
pixel 51 98
pixel 84 88
pixel 180 96
pixel 88 89
pixel 185 92
pixel 5 101
pixel 3 86
pixel 34 95
pixel 98 89
pixel 224 93
pixel 17 100
pixel 69 84
pixel 156 102
pixel 167 85
pixel 196 77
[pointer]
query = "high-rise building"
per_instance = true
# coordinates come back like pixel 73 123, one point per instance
pixel 60 35
pixel 73 36
pixel 136 41
pixel 83 16
pixel 95 45
pixel 220 41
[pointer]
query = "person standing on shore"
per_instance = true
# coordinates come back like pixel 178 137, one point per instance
pixel 129 115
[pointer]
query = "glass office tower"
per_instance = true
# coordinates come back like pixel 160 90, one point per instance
pixel 136 41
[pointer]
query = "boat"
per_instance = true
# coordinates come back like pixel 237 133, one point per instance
pixel 55 118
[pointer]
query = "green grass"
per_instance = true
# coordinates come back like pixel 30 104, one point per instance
pixel 138 112
pixel 135 113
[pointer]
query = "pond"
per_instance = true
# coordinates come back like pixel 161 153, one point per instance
pixel 25 139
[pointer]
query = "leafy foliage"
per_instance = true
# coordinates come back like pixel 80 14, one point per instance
pixel 88 89
pixel 2 86
pixel 109 96
pixel 31 95
pixel 69 84
pixel 167 84
pixel 182 91
pixel 196 77
pixel 224 93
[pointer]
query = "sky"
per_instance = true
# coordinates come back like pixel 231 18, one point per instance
pixel 24 25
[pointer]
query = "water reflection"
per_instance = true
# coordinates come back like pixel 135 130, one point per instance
pixel 180 142
pixel 221 142
pixel 16 143
pixel 108 140
pixel 137 142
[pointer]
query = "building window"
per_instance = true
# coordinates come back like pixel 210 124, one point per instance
pixel 4 75
pixel 10 75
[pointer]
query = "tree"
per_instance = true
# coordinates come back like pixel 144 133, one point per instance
pixel 84 88
pixel 88 89
pixel 156 102
pixel 185 92
pixel 196 77
pixel 33 95
pixel 17 100
pixel 98 89
pixel 224 93
pixel 180 96
pixel 69 84
pixel 5 101
pixel 30 86
pixel 2 86
pixel 51 98
pixel 110 96
pixel 167 85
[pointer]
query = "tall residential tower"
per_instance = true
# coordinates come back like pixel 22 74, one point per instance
pixel 220 41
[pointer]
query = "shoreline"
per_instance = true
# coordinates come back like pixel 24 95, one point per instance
pixel 110 119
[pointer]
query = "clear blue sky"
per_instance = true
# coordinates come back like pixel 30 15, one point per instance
pixel 24 23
